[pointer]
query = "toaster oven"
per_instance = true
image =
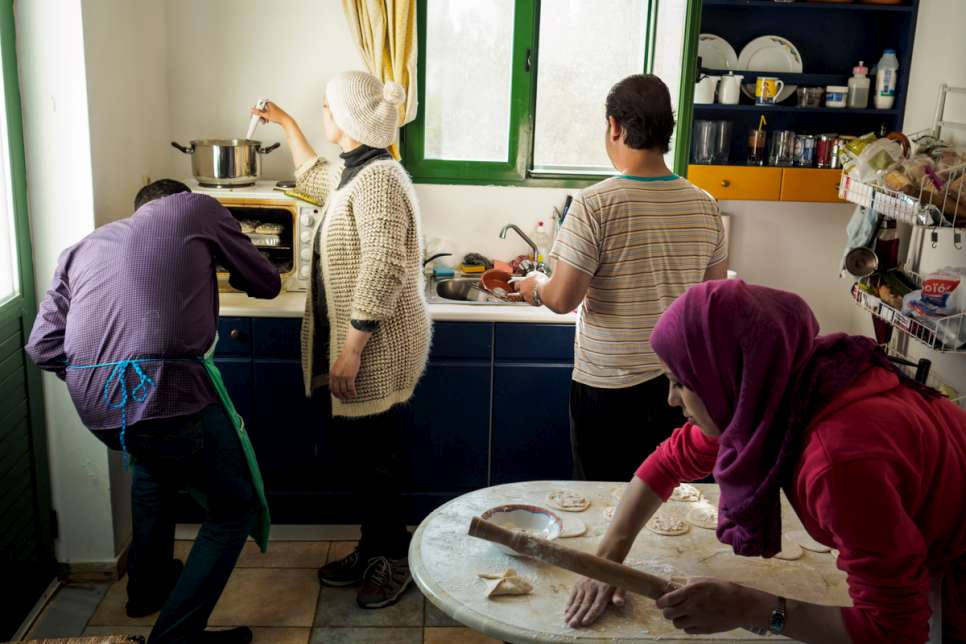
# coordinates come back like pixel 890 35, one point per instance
pixel 280 226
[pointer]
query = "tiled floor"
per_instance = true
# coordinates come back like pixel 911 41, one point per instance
pixel 279 596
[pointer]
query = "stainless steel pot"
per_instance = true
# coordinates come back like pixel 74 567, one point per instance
pixel 225 163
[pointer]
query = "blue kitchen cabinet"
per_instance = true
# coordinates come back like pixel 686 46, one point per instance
pixel 237 375
pixel 446 446
pixel 286 428
pixel 491 407
pixel 531 399
pixel 531 423
pixel 287 425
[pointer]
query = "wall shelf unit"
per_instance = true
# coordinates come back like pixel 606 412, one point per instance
pixel 831 38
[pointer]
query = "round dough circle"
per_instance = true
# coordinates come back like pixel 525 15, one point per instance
pixel 803 539
pixel 686 492
pixel 572 527
pixel 790 550
pixel 568 501
pixel 668 526
pixel 703 515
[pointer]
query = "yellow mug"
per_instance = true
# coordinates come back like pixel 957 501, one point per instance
pixel 767 89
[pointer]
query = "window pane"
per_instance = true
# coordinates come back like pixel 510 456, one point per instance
pixel 469 51
pixel 583 51
pixel 9 276
pixel 668 53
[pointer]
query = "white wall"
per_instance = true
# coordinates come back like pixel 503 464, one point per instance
pixel 223 55
pixel 938 57
pixel 124 48
pixel 796 247
pixel 50 51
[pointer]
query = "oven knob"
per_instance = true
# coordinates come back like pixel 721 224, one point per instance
pixel 304 272
pixel 307 220
pixel 306 236
pixel 306 254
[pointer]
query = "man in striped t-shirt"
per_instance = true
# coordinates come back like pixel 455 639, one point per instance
pixel 629 246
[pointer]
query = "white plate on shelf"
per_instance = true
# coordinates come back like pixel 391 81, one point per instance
pixel 716 53
pixel 770 54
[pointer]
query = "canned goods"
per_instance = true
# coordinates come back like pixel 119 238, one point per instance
pixel 824 149
pixel 805 151
pixel 840 151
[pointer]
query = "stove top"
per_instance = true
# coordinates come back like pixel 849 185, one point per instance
pixel 260 190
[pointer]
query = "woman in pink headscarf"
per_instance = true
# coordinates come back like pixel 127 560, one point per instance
pixel 873 464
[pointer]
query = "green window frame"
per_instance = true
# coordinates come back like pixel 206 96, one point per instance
pixel 517 169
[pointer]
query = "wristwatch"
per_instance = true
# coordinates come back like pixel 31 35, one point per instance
pixel 536 300
pixel 776 623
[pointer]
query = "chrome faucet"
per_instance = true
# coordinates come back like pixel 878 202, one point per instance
pixel 533 247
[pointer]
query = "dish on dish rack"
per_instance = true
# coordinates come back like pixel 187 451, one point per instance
pixel 716 52
pixel 770 54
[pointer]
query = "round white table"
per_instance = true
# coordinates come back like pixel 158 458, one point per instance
pixel 445 562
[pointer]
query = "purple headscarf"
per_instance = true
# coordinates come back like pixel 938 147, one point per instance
pixel 753 356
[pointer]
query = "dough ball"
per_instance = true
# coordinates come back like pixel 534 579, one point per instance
pixel 667 525
pixel 568 501
pixel 686 492
pixel 572 527
pixel 703 515
pixel 790 550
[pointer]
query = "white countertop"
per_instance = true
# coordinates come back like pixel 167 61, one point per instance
pixel 292 305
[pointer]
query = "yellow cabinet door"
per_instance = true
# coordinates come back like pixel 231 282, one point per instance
pixel 811 184
pixel 738 182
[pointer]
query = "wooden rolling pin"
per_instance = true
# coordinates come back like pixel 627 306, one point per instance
pixel 582 563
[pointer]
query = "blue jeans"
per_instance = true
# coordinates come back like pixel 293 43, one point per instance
pixel 200 451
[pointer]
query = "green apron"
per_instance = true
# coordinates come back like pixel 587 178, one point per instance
pixel 263 521
pixel 138 394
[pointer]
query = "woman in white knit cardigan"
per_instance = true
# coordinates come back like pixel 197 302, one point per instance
pixel 366 330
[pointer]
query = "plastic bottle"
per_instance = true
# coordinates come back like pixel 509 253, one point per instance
pixel 887 72
pixel 859 87
pixel 543 239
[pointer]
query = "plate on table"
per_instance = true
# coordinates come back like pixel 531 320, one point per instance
pixel 716 53
pixel 770 54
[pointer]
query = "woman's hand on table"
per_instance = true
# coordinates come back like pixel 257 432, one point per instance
pixel 707 605
pixel 588 601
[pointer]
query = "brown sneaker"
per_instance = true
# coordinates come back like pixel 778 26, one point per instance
pixel 343 572
pixel 384 582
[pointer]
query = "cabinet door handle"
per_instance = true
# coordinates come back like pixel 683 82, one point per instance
pixel 725 183
pixel 235 334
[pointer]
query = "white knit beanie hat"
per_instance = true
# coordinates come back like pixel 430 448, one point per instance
pixel 365 108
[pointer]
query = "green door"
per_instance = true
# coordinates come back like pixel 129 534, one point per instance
pixel 26 538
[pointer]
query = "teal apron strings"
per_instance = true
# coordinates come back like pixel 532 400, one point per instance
pixel 119 377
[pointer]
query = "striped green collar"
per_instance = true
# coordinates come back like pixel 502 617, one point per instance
pixel 669 177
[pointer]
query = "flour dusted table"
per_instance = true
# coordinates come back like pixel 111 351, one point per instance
pixel 445 562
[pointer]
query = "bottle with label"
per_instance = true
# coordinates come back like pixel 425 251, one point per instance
pixel 859 87
pixel 543 238
pixel 886 75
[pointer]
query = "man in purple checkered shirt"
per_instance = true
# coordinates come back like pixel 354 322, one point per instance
pixel 145 288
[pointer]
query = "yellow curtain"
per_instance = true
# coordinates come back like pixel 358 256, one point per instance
pixel 385 32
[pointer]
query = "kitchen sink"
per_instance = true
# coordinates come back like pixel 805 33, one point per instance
pixel 462 290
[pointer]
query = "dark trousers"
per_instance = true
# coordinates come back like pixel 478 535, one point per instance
pixel 370 449
pixel 201 451
pixel 612 431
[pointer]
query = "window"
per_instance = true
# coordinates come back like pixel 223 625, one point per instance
pixel 9 273
pixel 512 91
